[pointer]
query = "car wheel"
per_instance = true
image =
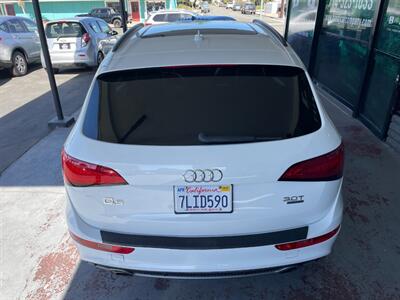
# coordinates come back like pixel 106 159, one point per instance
pixel 117 23
pixel 19 64
pixel 100 57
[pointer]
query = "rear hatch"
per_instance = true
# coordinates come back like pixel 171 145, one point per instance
pixel 165 133
pixel 65 36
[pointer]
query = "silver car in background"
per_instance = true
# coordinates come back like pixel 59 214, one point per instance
pixel 75 42
pixel 19 44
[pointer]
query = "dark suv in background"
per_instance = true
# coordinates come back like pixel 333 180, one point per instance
pixel 248 8
pixel 107 14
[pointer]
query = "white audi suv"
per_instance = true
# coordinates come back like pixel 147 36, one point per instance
pixel 203 150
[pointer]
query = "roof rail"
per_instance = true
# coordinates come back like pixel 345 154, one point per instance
pixel 127 34
pixel 271 30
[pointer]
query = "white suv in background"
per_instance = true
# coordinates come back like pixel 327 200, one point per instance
pixel 168 16
pixel 240 176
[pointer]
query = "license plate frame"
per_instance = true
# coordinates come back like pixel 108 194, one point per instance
pixel 224 190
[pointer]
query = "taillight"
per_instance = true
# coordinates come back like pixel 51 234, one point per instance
pixel 309 242
pixel 80 173
pixel 85 39
pixel 101 246
pixel 147 23
pixel 322 168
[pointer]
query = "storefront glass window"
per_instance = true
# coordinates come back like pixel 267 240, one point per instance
pixel 389 35
pixel 301 27
pixel 340 66
pixel 342 49
pixel 381 92
pixel 350 18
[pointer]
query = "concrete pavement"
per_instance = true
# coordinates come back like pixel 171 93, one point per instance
pixel 26 106
pixel 39 261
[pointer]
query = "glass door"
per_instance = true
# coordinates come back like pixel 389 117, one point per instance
pixel 303 14
pixel 383 83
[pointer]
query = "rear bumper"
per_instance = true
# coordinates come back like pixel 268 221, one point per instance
pixel 71 59
pixel 198 275
pixel 193 262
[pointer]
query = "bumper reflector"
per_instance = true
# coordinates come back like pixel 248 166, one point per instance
pixel 308 242
pixel 101 246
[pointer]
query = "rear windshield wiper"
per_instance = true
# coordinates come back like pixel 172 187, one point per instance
pixel 134 126
pixel 215 139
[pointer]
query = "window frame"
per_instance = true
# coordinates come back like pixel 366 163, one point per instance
pixel 100 23
pixel 25 30
pixel 7 30
pixel 26 22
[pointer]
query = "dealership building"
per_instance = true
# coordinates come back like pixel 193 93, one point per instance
pixel 352 50
pixel 58 9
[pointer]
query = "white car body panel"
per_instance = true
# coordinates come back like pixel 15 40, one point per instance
pixel 152 171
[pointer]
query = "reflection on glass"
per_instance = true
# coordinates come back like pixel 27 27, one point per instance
pixel 389 35
pixel 340 66
pixel 349 18
pixel 301 27
pixel 382 83
pixel 380 90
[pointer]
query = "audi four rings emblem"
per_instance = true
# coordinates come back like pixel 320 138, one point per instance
pixel 207 175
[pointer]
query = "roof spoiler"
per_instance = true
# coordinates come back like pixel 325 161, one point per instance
pixel 272 30
pixel 127 34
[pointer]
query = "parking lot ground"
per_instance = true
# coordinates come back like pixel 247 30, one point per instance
pixel 26 106
pixel 39 261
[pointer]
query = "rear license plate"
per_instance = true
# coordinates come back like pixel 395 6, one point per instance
pixel 65 46
pixel 203 199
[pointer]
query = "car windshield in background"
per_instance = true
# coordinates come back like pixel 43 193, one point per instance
pixel 201 105
pixel 64 29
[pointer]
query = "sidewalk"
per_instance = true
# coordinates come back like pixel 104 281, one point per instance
pixel 27 105
pixel 39 261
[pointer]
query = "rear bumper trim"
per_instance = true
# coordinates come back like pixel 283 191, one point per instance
pixel 200 275
pixel 204 243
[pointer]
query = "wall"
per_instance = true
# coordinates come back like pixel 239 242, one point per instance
pixel 59 9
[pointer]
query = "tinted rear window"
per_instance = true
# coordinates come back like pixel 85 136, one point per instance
pixel 64 29
pixel 182 105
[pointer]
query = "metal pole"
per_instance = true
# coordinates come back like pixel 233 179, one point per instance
pixel 123 14
pixel 46 55
pixel 59 120
pixel 319 22
pixel 288 11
